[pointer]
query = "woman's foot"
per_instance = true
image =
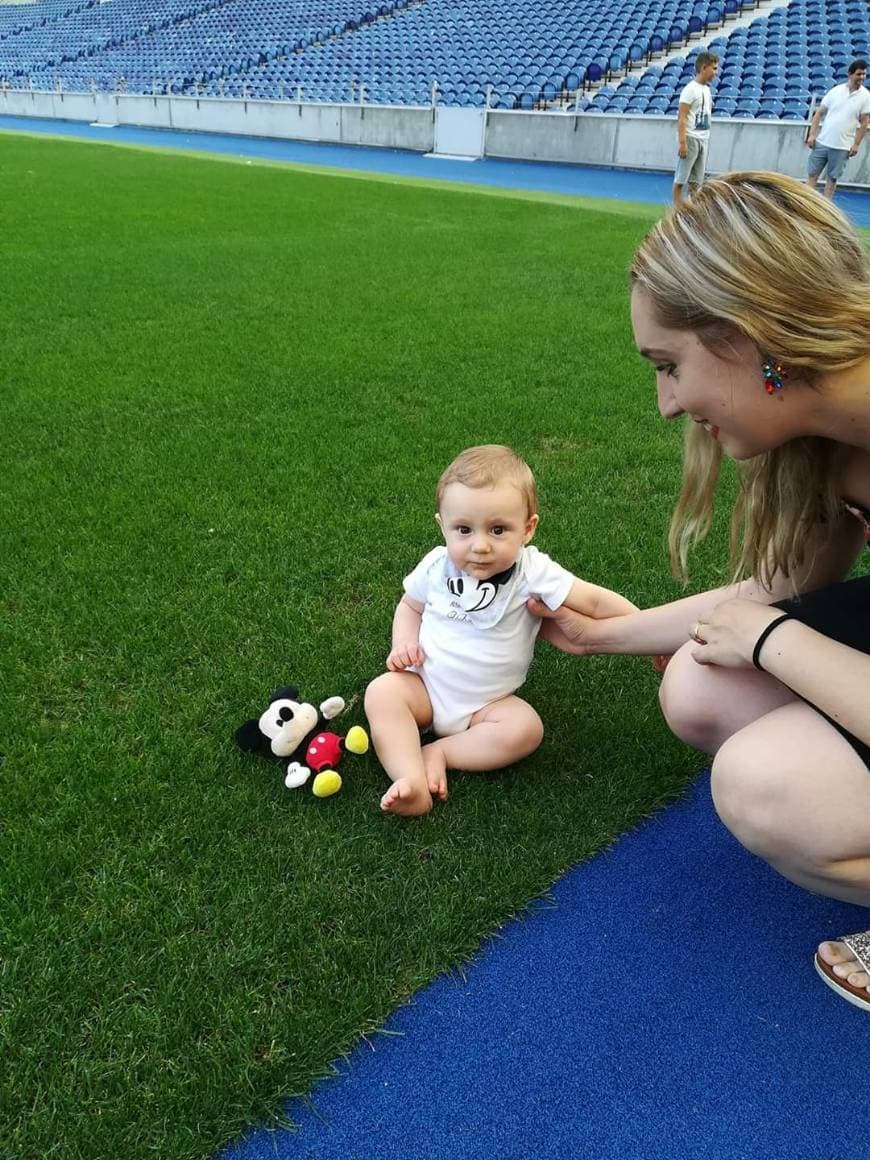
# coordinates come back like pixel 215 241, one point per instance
pixel 844 964
pixel 435 764
pixel 407 798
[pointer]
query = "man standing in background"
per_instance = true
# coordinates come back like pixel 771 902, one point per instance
pixel 844 115
pixel 693 126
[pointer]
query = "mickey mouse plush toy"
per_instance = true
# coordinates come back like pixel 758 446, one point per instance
pixel 293 729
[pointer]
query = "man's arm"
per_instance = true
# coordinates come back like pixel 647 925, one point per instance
pixel 859 136
pixel 682 122
pixel 814 126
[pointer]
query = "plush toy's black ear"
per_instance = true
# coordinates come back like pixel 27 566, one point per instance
pixel 287 693
pixel 249 737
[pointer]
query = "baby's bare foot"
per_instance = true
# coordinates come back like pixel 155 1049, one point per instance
pixel 407 797
pixel 838 956
pixel 435 764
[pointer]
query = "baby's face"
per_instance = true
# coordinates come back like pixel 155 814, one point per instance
pixel 484 528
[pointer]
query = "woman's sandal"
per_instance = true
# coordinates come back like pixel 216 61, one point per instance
pixel 859 945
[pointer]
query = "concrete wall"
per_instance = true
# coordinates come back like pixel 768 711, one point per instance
pixel 647 142
pixel 590 139
pixel 393 128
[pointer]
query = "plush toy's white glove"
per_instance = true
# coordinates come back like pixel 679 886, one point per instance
pixel 296 775
pixel 332 707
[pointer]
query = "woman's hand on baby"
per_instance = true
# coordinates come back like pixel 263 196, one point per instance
pixel 564 629
pixel 727 637
pixel 402 656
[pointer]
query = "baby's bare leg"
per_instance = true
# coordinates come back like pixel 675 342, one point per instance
pixel 499 735
pixel 397 706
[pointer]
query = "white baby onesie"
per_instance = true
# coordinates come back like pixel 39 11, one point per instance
pixel 478 636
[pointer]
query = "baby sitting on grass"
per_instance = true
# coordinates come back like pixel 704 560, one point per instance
pixel 463 636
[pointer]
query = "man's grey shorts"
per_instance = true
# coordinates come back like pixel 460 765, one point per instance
pixel 824 155
pixel 691 167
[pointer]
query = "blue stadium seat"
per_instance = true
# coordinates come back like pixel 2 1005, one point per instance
pixel 617 62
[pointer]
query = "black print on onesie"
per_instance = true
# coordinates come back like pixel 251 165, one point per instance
pixel 475 595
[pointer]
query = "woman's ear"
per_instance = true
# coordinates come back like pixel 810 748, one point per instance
pixel 531 524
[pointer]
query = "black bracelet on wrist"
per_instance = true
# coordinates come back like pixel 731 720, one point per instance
pixel 759 644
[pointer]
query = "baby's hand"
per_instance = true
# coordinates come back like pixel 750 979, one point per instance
pixel 402 656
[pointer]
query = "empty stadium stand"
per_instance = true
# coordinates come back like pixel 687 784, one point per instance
pixel 614 56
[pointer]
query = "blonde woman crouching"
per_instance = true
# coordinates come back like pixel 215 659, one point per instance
pixel 753 304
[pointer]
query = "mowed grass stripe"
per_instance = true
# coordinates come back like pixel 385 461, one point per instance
pixel 638 209
pixel 227 393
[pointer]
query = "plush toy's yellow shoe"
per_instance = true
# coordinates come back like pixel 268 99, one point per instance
pixel 357 740
pixel 326 783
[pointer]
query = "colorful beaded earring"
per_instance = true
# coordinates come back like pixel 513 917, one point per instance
pixel 774 372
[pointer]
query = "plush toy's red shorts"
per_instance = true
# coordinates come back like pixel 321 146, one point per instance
pixel 324 752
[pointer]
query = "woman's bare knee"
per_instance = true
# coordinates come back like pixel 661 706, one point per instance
pixel 748 792
pixel 705 705
pixel 760 801
pixel 793 791
pixel 690 715
pixel 764 782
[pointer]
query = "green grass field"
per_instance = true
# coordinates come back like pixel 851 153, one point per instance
pixel 226 394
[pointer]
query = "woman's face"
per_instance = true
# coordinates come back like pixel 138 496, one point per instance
pixel 725 391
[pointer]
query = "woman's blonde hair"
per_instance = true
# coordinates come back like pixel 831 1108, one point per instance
pixel 765 256
pixel 487 466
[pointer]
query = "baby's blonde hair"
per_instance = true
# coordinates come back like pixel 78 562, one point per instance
pixel 487 466
pixel 763 255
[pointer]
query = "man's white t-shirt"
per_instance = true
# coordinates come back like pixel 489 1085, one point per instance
pixel 478 636
pixel 700 101
pixel 844 111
